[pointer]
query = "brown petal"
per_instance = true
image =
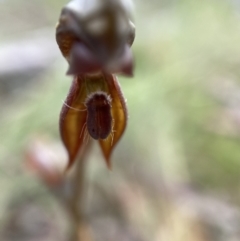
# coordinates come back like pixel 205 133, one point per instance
pixel 119 115
pixel 127 62
pixel 65 36
pixel 73 119
pixel 124 63
pixel 82 60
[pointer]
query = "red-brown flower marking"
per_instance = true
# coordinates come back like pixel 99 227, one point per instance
pixel 91 96
pixel 99 117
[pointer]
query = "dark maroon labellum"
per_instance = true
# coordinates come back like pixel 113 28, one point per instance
pixel 99 117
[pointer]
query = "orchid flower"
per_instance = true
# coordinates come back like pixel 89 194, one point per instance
pixel 95 37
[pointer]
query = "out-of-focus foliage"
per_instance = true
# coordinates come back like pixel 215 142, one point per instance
pixel 184 125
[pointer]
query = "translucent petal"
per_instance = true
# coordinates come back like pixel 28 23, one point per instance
pixel 119 115
pixel 73 119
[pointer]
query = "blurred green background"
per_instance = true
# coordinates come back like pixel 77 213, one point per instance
pixel 181 150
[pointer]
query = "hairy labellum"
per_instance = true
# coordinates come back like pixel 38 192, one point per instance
pixel 99 117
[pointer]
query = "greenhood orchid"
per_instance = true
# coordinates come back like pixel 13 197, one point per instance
pixel 95 37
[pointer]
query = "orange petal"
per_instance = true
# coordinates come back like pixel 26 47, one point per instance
pixel 73 119
pixel 119 115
